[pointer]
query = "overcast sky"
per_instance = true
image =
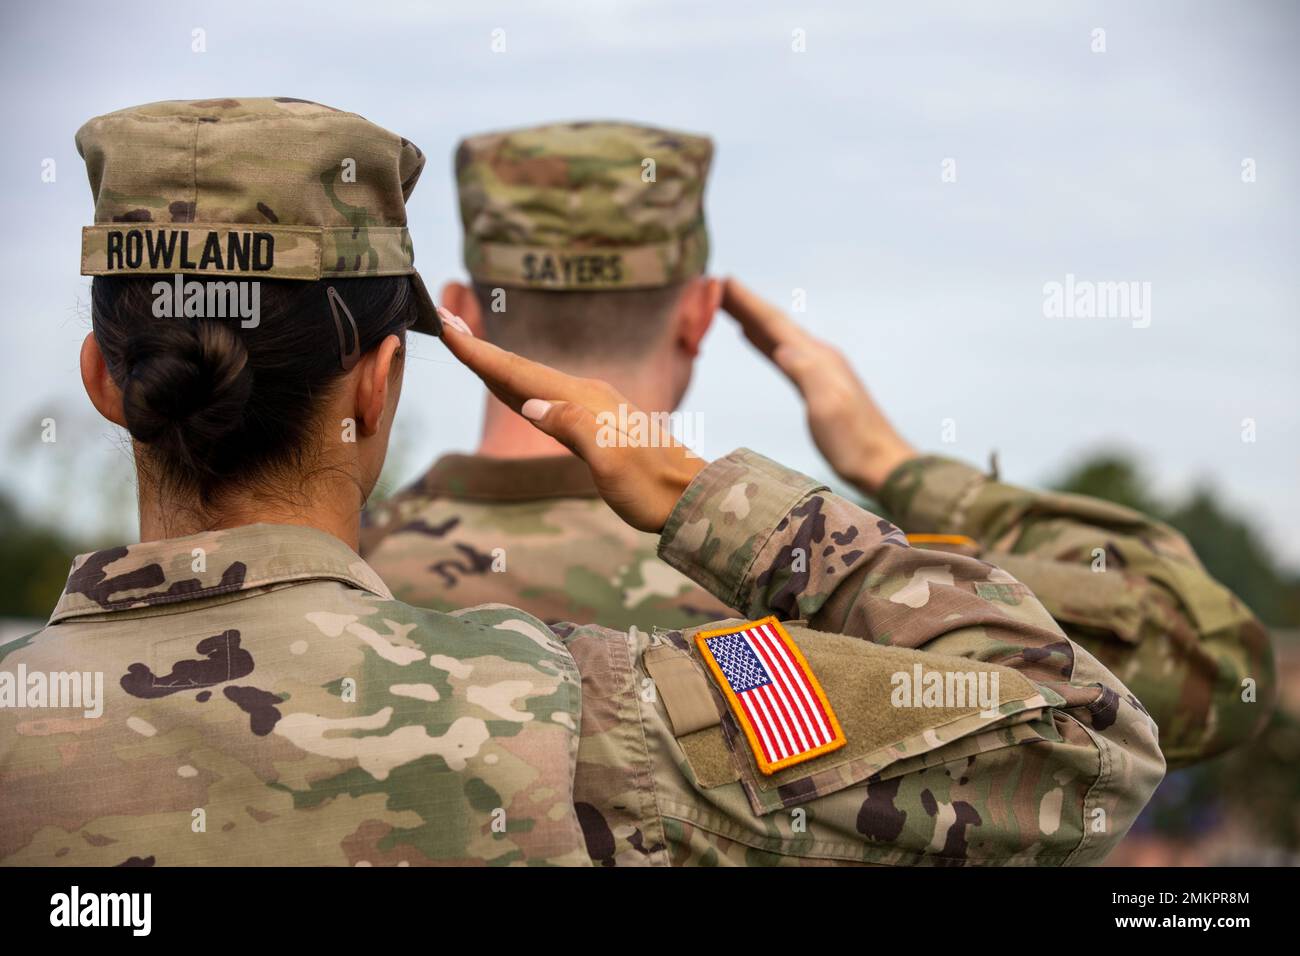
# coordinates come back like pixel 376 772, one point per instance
pixel 1122 165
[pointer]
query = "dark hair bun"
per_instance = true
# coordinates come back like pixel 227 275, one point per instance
pixel 213 405
pixel 187 387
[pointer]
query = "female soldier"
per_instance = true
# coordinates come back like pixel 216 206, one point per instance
pixel 248 691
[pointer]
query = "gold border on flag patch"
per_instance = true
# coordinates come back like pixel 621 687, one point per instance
pixel 773 693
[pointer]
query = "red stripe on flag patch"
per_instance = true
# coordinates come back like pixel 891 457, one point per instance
pixel 772 692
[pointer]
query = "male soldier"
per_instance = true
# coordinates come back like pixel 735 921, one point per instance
pixel 581 260
pixel 587 245
pixel 239 688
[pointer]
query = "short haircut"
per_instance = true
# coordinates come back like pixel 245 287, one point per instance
pixel 577 328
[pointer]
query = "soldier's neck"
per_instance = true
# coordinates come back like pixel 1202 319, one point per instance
pixel 507 435
pixel 329 505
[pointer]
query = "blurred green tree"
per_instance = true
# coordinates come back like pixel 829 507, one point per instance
pixel 34 562
pixel 1228 545
pixel 1114 477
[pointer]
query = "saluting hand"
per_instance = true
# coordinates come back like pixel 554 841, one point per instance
pixel 849 428
pixel 641 483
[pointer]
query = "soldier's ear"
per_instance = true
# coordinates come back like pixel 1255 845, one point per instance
pixel 103 391
pixel 699 303
pixel 462 301
pixel 375 386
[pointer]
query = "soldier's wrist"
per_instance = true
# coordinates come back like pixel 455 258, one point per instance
pixel 873 471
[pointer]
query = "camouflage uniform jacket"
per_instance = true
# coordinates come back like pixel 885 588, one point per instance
pixel 532 533
pixel 1180 640
pixel 1128 588
pixel 265 700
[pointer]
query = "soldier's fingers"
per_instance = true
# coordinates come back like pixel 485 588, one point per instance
pixel 763 323
pixel 569 423
pixel 513 378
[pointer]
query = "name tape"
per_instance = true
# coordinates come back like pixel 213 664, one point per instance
pixel 271 252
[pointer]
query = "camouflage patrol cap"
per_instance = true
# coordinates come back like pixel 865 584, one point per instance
pixel 584 206
pixel 261 188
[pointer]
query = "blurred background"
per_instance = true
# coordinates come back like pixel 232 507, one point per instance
pixel 915 174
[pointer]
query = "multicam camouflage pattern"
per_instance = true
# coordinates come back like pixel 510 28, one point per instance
pixel 264 676
pixel 584 206
pixel 530 533
pixel 1182 642
pixel 327 187
pixel 1122 585
pixel 843 570
pixel 311 718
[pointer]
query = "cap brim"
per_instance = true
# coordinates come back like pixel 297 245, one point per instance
pixel 427 320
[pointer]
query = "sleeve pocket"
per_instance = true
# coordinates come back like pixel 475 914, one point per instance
pixel 885 725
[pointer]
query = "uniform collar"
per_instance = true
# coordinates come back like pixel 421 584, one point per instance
pixel 206 565
pixel 478 478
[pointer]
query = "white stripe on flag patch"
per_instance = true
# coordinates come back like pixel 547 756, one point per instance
pixel 798 719
pixel 814 712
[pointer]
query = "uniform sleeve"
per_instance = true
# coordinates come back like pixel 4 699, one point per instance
pixel 771 541
pixel 1128 588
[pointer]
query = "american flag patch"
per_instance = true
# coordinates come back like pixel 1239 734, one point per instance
pixel 772 692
